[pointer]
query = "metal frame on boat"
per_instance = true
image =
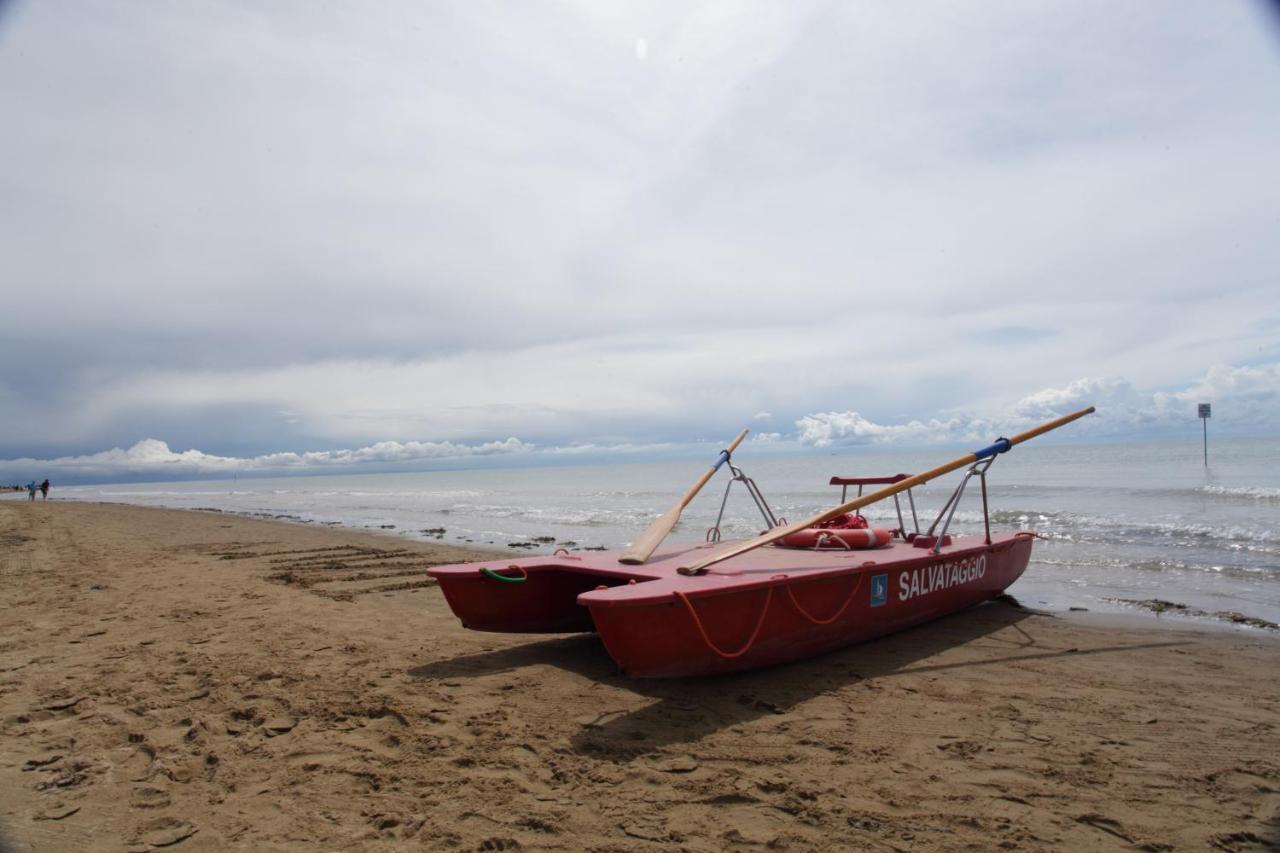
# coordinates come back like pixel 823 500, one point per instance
pixel 715 607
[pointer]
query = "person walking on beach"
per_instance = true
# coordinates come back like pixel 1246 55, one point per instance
pixel 44 490
pixel 31 490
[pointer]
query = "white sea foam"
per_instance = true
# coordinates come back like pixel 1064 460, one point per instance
pixel 1257 493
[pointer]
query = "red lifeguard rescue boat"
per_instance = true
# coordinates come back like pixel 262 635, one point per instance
pixel 717 607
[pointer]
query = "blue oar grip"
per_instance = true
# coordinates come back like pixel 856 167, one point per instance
pixel 1002 445
pixel 724 457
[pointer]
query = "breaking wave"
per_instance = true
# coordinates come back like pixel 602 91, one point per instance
pixel 1254 493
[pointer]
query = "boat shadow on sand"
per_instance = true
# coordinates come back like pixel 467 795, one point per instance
pixel 688 709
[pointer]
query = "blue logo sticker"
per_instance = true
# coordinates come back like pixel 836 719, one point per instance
pixel 879 590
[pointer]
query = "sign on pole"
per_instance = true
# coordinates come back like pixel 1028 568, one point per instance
pixel 1204 423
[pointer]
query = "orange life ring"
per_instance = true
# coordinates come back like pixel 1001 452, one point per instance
pixel 849 534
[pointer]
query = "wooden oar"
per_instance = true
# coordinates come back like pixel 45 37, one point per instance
pixel 644 547
pixel 1000 446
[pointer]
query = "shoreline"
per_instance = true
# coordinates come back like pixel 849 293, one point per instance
pixel 1113 612
pixel 520 548
pixel 205 681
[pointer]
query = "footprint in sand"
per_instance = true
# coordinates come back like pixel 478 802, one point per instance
pixel 146 797
pixel 165 831
pixel 279 725
pixel 57 811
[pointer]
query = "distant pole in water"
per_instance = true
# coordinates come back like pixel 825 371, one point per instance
pixel 1204 422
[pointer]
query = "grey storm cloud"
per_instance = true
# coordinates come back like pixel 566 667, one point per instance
pixel 287 228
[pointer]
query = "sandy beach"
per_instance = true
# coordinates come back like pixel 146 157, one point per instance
pixel 200 681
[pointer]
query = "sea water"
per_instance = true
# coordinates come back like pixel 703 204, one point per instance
pixel 1121 521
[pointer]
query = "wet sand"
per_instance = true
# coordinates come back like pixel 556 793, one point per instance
pixel 195 681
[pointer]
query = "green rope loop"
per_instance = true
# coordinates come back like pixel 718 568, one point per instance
pixel 521 578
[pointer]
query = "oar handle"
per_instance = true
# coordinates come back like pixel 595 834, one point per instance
pixel 723 458
pixel 1000 446
pixel 1051 425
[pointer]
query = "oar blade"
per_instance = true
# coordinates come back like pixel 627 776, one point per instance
pixel 652 538
pixel 649 541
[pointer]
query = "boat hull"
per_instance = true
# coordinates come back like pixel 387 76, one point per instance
pixel 767 607
pixel 795 618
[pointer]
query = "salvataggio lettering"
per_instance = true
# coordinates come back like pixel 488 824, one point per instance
pixel 929 579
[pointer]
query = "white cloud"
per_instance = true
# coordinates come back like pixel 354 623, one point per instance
pixel 590 449
pixel 827 428
pixel 152 457
pixel 1107 393
pixel 1246 395
pixel 1245 399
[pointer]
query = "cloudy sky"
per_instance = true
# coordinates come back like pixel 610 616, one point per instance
pixel 294 235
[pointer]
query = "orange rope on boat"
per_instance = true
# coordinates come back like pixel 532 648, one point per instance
pixel 857 582
pixel 703 631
